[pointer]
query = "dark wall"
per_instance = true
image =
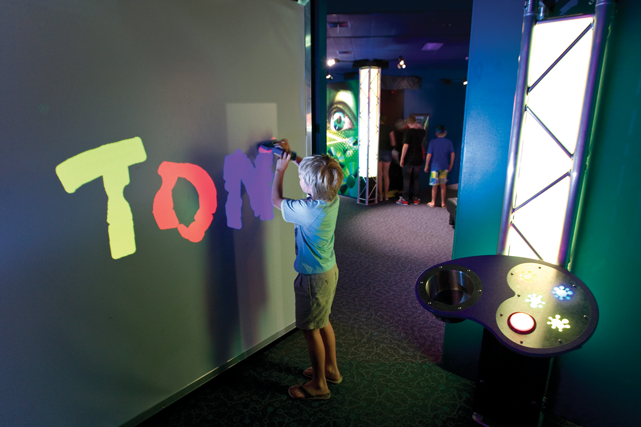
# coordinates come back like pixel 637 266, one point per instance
pixel 444 103
pixel 383 6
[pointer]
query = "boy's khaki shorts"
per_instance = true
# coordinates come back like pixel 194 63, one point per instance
pixel 314 296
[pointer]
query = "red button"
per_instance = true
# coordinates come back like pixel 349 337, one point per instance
pixel 521 323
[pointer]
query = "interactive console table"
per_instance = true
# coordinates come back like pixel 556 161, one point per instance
pixel 531 311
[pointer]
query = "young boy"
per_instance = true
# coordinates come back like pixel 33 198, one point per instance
pixel 441 152
pixel 315 220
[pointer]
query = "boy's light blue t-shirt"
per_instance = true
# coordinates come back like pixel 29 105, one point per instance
pixel 315 222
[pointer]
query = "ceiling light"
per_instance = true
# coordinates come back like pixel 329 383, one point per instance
pixel 328 76
pixel 401 63
pixel 432 46
pixel 332 61
pixel 464 82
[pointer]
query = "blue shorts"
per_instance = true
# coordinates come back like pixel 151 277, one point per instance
pixel 438 177
pixel 385 156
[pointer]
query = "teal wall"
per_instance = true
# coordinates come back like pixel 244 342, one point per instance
pixel 596 385
pixel 492 68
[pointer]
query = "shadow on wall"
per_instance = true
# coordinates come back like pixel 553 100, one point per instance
pixel 236 275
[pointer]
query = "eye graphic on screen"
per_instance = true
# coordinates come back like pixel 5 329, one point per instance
pixel 342 131
pixel 339 120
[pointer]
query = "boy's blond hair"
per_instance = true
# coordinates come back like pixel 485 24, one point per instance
pixel 323 174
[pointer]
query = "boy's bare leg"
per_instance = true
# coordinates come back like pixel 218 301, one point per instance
pixel 316 347
pixel 434 190
pixel 443 191
pixel 329 341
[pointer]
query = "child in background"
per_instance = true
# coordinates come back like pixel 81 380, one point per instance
pixel 411 162
pixel 441 152
pixel 315 220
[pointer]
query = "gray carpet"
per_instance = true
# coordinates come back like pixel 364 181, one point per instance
pixel 388 345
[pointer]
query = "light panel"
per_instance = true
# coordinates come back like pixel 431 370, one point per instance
pixel 368 121
pixel 541 221
pixel 558 98
pixel 549 135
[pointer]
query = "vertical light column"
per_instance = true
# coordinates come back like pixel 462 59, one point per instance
pixel 558 69
pixel 368 123
pixel 549 132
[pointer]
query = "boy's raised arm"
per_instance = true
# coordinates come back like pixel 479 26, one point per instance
pixel 277 186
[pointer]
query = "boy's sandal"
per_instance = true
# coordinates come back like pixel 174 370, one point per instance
pixel 306 394
pixel 309 373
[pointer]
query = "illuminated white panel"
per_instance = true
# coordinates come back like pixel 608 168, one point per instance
pixel 368 121
pixel 550 39
pixel 557 100
pixel 542 161
pixel 541 221
pixel 518 247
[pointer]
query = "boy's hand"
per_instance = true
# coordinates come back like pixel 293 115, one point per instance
pixel 283 144
pixel 283 162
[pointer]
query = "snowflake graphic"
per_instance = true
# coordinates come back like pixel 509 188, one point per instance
pixel 559 324
pixel 536 301
pixel 527 276
pixel 562 293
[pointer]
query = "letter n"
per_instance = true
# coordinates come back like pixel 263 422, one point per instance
pixel 257 180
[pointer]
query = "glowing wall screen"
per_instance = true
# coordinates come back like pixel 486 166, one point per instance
pixel 139 252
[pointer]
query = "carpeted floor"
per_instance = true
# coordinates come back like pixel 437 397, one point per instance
pixel 388 345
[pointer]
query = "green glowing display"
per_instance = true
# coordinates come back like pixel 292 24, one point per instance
pixel 111 162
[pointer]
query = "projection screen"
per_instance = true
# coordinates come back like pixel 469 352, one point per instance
pixel 139 252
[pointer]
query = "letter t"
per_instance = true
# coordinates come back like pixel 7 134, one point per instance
pixel 111 161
